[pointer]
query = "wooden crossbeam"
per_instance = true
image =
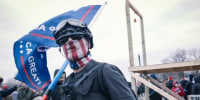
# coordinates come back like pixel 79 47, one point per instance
pixel 155 88
pixel 165 88
pixel 164 68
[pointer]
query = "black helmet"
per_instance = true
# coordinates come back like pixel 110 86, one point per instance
pixel 71 27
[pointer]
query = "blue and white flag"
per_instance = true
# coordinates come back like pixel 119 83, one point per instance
pixel 30 50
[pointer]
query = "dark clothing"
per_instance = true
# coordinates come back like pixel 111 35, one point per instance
pixel 140 89
pixel 56 93
pixel 169 84
pixel 196 85
pixel 97 83
pixel 25 93
pixel 183 82
pixel 196 88
pixel 188 88
pixel 4 93
pixel 153 94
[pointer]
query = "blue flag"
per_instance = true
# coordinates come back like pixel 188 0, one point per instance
pixel 30 50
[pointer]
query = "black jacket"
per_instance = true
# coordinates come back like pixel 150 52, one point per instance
pixel 97 81
pixel 188 85
pixel 153 94
pixel 169 84
pixel 4 93
pixel 56 93
pixel 196 85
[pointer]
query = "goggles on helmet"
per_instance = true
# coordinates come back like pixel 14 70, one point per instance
pixel 71 28
pixel 71 22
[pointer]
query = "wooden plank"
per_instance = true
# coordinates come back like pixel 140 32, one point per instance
pixel 134 9
pixel 129 5
pixel 163 68
pixel 130 45
pixel 165 88
pixel 155 88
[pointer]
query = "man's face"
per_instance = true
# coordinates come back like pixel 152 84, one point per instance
pixel 75 49
pixel 62 78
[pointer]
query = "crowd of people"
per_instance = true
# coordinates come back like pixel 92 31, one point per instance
pixel 21 91
pixel 184 87
pixel 17 92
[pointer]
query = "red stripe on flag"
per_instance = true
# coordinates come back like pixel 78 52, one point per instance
pixel 22 60
pixel 45 84
pixel 43 36
pixel 87 13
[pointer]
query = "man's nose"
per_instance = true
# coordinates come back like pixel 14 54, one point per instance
pixel 69 39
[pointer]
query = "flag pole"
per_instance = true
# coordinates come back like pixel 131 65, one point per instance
pixel 54 82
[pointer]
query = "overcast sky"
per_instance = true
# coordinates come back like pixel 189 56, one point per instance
pixel 168 25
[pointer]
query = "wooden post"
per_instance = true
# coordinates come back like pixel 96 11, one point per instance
pixel 143 45
pixel 129 33
pixel 144 55
pixel 146 88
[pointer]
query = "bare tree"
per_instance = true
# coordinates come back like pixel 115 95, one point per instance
pixel 181 55
pixel 194 54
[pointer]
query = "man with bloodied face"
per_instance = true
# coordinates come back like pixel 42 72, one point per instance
pixel 90 79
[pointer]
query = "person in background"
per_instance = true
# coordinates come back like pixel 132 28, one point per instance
pixel 25 93
pixel 153 94
pixel 9 97
pixel 90 79
pixel 56 92
pixel 196 85
pixel 14 95
pixel 140 89
pixel 4 93
pixel 169 83
pixel 188 86
pixel 178 89
pixel 184 81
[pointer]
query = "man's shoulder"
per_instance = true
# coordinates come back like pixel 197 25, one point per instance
pixel 107 69
pixel 104 65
